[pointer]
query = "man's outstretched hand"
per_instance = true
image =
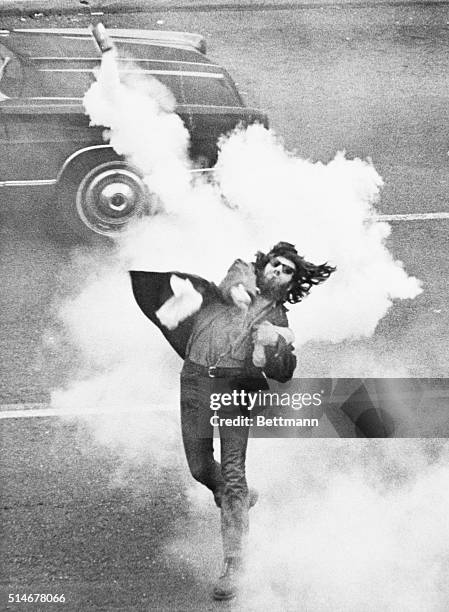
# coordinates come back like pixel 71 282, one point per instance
pixel 185 301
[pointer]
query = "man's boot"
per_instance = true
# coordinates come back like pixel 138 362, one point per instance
pixel 227 584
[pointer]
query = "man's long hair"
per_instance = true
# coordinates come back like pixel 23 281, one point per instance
pixel 306 274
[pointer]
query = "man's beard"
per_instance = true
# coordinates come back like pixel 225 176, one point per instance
pixel 270 289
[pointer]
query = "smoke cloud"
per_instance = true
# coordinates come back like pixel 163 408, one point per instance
pixel 341 526
pixel 142 126
pixel 260 194
pixel 349 526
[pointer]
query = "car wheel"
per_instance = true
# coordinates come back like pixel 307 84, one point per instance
pixel 101 201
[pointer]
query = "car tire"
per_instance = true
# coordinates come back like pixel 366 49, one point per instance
pixel 97 199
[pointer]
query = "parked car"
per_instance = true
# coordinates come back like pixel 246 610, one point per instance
pixel 48 145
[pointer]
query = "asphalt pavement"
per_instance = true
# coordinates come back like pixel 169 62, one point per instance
pixel 75 517
pixel 48 7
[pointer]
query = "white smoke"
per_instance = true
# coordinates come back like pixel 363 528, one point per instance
pixel 126 377
pixel 328 211
pixel 261 194
pixel 340 525
pixel 143 127
pixel 349 526
pixel 334 530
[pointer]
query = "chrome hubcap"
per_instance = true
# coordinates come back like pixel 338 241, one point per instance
pixel 109 196
pixel 117 197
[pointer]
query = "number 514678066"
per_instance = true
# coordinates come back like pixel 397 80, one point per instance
pixel 36 597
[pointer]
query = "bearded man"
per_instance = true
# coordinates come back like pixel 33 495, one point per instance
pixel 232 337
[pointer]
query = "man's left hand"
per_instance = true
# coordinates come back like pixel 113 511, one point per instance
pixel 266 334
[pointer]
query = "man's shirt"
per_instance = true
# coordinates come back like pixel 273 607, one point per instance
pixel 222 334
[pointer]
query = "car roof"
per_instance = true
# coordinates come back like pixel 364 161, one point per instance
pixel 62 62
pixel 76 43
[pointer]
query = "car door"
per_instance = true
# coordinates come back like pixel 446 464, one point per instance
pixel 41 134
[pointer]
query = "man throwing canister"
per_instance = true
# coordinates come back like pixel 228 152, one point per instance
pixel 232 337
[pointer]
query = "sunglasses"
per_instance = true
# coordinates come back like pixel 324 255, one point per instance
pixel 285 269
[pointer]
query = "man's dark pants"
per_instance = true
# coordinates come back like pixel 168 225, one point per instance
pixel 227 480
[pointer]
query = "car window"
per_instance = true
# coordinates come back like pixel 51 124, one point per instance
pixel 201 90
pixel 207 90
pixel 186 89
pixel 10 74
pixel 173 84
pixel 66 84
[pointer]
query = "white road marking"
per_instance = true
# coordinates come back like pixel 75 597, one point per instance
pixel 414 217
pixel 29 411
pixel 35 410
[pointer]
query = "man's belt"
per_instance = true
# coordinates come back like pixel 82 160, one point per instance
pixel 223 372
pixel 217 372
